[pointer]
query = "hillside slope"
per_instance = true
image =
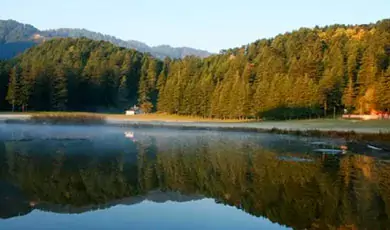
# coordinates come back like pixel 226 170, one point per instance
pixel 77 74
pixel 16 37
pixel 306 73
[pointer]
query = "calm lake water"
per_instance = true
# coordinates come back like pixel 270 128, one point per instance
pixel 64 177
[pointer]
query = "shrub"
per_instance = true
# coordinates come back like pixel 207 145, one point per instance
pixel 68 118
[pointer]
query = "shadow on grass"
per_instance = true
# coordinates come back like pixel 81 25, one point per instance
pixel 291 113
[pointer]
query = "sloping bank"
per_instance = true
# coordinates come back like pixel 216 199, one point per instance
pixel 378 130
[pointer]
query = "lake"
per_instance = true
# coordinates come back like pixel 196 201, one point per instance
pixel 83 177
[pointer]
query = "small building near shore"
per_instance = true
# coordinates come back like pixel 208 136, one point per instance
pixel 130 112
pixel 133 111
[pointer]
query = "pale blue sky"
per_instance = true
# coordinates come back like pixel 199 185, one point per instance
pixel 199 214
pixel 204 24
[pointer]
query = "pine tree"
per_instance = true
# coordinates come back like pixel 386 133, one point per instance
pixel 162 77
pixel 143 87
pixel 26 85
pixel 382 94
pixel 205 98
pixel 4 81
pixel 349 96
pixel 366 76
pixel 59 97
pixel 123 93
pixel 259 101
pixel 215 101
pixel 13 93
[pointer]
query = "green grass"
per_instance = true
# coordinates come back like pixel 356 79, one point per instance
pixel 349 129
pixel 323 123
pixel 171 118
pixel 67 118
pixel 139 117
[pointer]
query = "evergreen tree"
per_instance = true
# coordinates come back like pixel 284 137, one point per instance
pixel 349 96
pixel 259 101
pixel 123 94
pixel 59 97
pixel 293 75
pixel 80 74
pixel 4 81
pixel 13 93
pixel 383 91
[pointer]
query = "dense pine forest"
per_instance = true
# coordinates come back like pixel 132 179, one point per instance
pixel 305 73
pixel 78 74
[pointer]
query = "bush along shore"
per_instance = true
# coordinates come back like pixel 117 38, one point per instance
pixel 62 118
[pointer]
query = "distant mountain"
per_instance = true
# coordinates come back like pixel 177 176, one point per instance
pixel 16 37
pixel 155 196
pixel 13 31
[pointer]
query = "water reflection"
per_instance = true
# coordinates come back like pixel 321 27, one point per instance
pixel 280 178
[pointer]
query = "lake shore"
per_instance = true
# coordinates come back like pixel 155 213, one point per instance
pixel 155 120
pixel 305 125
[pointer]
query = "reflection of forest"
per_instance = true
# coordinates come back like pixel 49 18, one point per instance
pixel 326 193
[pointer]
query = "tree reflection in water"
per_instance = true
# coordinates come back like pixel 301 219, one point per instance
pixel 259 174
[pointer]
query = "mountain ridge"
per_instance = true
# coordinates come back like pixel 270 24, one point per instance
pixel 14 33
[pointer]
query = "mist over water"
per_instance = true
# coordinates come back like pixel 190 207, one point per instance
pixel 77 177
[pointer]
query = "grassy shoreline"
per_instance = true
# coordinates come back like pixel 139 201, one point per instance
pixel 347 129
pixel 347 135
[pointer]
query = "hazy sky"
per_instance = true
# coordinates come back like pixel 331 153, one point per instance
pixel 204 24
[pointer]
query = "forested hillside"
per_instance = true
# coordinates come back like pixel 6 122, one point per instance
pixel 161 51
pixel 309 72
pixel 77 74
pixel 304 73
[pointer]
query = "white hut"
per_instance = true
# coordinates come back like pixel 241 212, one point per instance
pixel 133 111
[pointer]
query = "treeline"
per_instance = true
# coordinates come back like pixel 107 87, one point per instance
pixel 305 73
pixel 78 74
pixel 309 72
